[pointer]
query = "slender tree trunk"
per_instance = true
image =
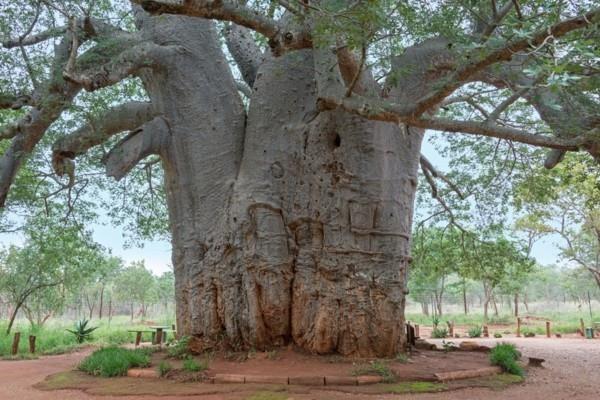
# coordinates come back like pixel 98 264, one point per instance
pixel 13 316
pixel 495 305
pixel 465 305
pixel 101 304
pixel 516 304
pixel 425 308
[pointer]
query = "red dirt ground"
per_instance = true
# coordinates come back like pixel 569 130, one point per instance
pixel 290 363
pixel 572 372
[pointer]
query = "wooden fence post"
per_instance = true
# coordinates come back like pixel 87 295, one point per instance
pixel 417 331
pixel 582 327
pixel 518 327
pixel 486 332
pixel 548 333
pixel 138 338
pixel 32 344
pixel 15 344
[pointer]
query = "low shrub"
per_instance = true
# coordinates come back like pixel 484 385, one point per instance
pixel 375 368
pixel 114 361
pixel 82 331
pixel 475 331
pixel 497 335
pixel 179 348
pixel 439 333
pixel 505 355
pixel 164 367
pixel 190 364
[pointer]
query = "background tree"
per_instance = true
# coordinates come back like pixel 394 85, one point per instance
pixel 135 284
pixel 37 275
pixel 277 208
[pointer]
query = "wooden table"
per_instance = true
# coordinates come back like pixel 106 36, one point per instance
pixel 160 335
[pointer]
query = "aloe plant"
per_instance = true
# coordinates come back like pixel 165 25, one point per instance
pixel 82 332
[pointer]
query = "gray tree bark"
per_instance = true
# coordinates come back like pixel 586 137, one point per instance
pixel 304 236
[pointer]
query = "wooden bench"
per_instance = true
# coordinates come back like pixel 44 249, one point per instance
pixel 138 335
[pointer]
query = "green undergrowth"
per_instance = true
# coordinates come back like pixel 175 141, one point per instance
pixel 505 355
pixel 376 367
pixel 53 338
pixel 114 361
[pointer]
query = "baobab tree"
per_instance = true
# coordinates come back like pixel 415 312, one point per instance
pixel 290 212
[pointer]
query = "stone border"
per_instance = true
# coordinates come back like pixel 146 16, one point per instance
pixel 316 380
pixel 467 374
pixel 278 380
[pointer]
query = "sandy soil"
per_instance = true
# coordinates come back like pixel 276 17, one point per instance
pixel 572 372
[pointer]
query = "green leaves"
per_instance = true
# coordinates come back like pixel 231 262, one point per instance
pixel 82 332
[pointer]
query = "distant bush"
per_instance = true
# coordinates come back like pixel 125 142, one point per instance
pixel 475 331
pixel 114 361
pixel 505 355
pixel 439 333
pixel 497 335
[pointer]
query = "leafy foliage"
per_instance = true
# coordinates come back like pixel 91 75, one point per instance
pixel 505 355
pixel 475 331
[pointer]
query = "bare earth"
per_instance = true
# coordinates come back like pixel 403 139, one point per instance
pixel 572 372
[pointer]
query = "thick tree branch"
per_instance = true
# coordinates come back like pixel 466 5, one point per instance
pixel 280 40
pixel 383 111
pixel 148 139
pixel 13 102
pixel 115 120
pixel 87 28
pixel 130 61
pixel 246 53
pixel 478 63
pixel 55 95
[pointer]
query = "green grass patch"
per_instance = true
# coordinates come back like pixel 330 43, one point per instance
pixel 505 355
pixel 53 337
pixel 415 387
pixel 114 361
pixel 190 364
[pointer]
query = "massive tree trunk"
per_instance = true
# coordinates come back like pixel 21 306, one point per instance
pixel 303 237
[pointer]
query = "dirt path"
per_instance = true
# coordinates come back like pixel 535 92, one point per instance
pixel 572 372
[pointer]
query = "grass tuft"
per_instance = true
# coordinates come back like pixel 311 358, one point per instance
pixel 190 364
pixel 376 367
pixel 114 361
pixel 505 355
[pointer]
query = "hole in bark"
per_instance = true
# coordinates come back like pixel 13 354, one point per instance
pixel 337 140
